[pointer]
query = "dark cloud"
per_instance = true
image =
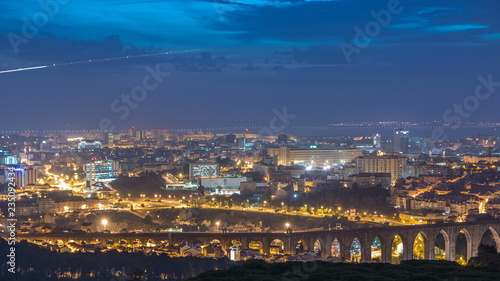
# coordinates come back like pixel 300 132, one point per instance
pixel 427 59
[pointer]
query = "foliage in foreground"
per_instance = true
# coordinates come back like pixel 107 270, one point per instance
pixel 34 263
pixel 323 271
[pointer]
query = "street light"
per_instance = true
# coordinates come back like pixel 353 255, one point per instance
pixel 288 230
pixel 217 224
pixel 105 223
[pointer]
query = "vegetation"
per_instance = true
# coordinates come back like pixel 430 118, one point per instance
pixel 487 257
pixel 148 184
pixel 362 199
pixel 323 271
pixel 35 263
pixel 275 221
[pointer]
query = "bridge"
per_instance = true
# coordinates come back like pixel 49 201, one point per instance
pixel 449 241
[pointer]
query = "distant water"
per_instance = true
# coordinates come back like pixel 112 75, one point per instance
pixel 427 132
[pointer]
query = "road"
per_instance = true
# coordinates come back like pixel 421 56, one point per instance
pixel 166 204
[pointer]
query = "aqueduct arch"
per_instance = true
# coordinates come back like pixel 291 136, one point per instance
pixel 454 241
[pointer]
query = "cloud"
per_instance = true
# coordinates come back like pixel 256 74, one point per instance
pixel 492 36
pixel 249 30
pixel 456 27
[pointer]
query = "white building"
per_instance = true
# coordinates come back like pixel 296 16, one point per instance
pixel 313 157
pixel 395 165
pixel 99 171
pixel 213 182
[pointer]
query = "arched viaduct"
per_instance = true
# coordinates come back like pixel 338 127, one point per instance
pixel 409 242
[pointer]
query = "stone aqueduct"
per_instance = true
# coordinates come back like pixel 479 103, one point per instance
pixel 473 233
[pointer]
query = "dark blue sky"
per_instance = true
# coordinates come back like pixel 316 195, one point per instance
pixel 254 56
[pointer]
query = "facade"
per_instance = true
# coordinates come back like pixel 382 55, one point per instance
pixel 198 170
pixel 136 134
pixel 401 141
pixel 371 179
pixel 313 157
pixel 377 141
pixel 160 133
pixel 485 159
pixel 223 182
pixel 102 170
pixel 23 177
pixel 9 160
pixel 394 165
pixel 87 145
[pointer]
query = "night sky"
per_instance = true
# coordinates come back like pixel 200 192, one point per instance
pixel 254 55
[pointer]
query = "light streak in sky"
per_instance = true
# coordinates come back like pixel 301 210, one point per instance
pixel 95 60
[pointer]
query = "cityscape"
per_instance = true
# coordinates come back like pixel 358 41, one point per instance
pixel 249 140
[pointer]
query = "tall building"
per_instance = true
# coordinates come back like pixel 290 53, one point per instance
pixel 160 133
pixel 109 139
pixel 387 144
pixel 136 134
pixel 231 138
pixel 401 141
pixel 377 141
pixel 313 157
pixel 242 144
pixel 48 145
pixel 395 165
pixel 23 177
pixel 102 170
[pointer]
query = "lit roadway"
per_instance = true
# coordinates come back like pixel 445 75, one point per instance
pixel 166 204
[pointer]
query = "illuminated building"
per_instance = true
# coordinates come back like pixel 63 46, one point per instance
pixel 109 139
pixel 401 141
pixel 235 253
pixel 482 159
pixel 371 179
pixel 102 170
pixel 88 145
pixel 10 160
pixel 394 165
pixel 313 157
pixel 23 177
pixel 223 182
pixel 136 134
pixel 160 133
pixel 377 141
pixel 198 170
